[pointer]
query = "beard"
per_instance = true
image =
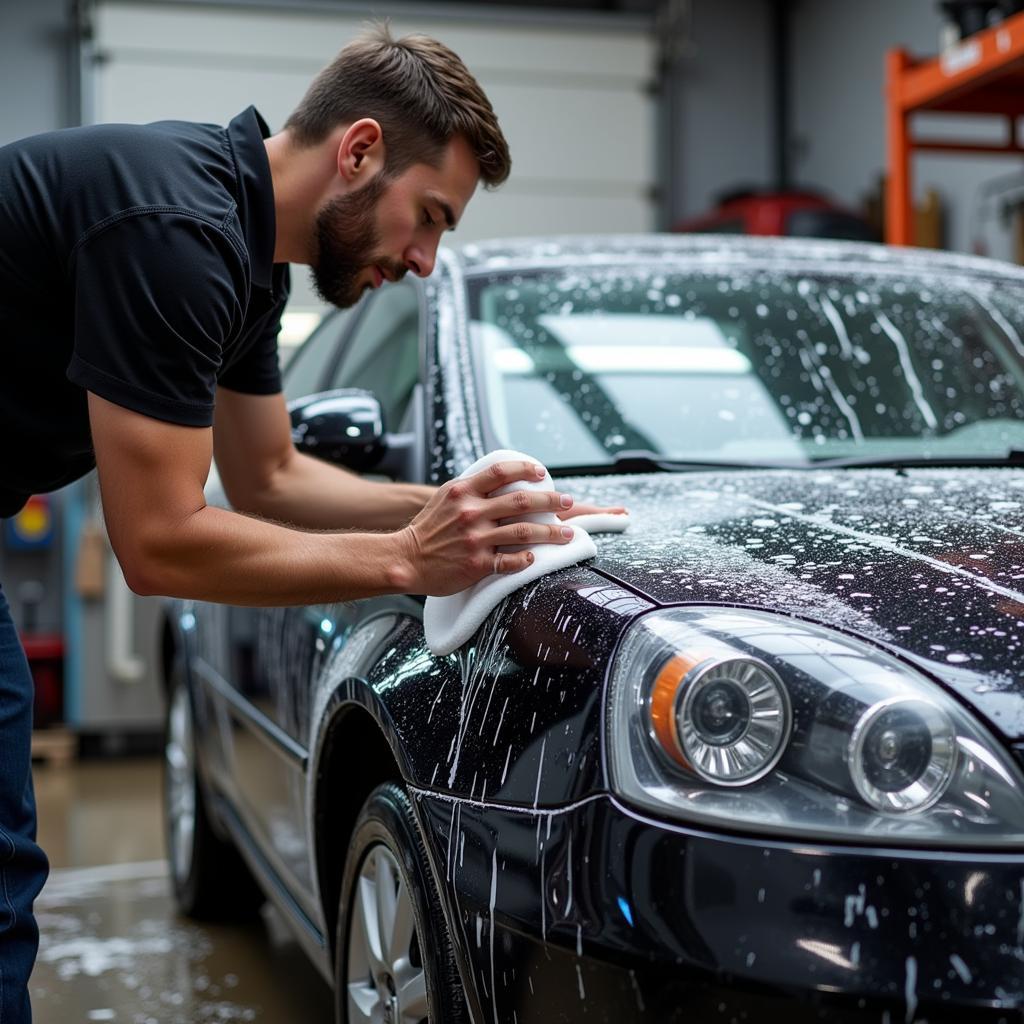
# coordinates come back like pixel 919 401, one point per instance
pixel 346 240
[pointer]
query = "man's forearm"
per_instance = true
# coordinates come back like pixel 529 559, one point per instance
pixel 223 556
pixel 310 493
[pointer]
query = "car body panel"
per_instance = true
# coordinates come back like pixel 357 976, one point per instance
pixel 595 912
pixel 516 715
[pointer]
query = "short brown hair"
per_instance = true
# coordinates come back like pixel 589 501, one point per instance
pixel 417 89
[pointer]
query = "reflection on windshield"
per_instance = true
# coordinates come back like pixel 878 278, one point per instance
pixel 751 366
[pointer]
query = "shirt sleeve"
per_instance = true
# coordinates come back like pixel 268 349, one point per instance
pixel 256 370
pixel 155 305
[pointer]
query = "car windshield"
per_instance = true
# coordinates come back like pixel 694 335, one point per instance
pixel 772 366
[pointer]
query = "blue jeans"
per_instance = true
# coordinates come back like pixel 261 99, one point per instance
pixel 23 865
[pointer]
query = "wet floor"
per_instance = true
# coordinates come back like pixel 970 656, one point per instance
pixel 112 947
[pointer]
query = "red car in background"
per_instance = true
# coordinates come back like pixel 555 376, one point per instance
pixel 798 214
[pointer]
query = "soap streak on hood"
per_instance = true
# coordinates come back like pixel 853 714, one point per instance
pixel 928 564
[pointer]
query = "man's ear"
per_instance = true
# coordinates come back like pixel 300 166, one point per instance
pixel 361 151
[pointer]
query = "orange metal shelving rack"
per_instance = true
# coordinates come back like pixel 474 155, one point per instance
pixel 983 74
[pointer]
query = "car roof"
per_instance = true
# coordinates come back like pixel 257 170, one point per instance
pixel 572 250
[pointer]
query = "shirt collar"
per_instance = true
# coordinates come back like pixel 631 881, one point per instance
pixel 256 193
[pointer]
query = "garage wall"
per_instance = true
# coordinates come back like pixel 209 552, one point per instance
pixel 839 112
pixel 574 99
pixel 720 92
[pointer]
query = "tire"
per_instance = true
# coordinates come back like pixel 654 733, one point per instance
pixel 209 878
pixel 393 981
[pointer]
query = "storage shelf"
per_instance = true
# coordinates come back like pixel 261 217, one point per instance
pixel 983 74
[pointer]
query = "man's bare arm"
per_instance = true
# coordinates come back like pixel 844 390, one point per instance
pixel 262 473
pixel 168 541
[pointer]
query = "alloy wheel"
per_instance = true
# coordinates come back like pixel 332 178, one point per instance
pixel 385 979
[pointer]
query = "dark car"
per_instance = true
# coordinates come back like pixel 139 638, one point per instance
pixel 760 759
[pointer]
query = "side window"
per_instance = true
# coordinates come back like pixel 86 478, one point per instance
pixel 304 372
pixel 383 353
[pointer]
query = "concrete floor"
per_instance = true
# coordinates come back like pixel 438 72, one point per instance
pixel 112 947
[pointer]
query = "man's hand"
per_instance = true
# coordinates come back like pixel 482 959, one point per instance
pixel 453 542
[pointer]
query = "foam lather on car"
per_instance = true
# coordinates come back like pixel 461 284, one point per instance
pixel 448 622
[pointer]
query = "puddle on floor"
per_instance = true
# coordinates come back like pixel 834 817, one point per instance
pixel 112 948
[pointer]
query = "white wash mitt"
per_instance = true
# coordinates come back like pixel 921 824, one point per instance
pixel 448 622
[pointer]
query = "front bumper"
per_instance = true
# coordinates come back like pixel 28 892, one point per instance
pixel 593 913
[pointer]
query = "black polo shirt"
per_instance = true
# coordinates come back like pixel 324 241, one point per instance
pixel 136 262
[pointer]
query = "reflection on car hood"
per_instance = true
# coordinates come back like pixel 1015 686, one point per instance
pixel 929 564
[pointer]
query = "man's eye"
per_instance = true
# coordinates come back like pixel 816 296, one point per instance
pixel 427 219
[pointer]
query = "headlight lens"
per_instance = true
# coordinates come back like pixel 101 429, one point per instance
pixel 902 754
pixel 726 719
pixel 783 726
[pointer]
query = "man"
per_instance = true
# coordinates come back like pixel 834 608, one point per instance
pixel 142 276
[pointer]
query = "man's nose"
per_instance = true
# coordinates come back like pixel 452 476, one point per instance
pixel 420 261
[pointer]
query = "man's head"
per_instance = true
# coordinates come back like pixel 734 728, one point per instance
pixel 411 133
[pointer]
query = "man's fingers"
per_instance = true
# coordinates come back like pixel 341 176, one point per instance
pixel 505 562
pixel 501 473
pixel 589 510
pixel 517 503
pixel 528 533
pixel 524 533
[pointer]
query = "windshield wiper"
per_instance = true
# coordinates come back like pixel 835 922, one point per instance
pixel 651 462
pixel 1014 457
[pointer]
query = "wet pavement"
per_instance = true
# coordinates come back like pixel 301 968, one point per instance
pixel 113 948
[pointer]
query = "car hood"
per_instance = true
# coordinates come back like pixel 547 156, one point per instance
pixel 926 563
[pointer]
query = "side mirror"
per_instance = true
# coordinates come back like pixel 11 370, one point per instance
pixel 345 426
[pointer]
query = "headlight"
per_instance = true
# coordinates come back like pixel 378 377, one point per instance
pixel 782 726
pixel 726 719
pixel 902 754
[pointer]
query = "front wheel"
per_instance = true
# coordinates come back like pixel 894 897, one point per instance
pixel 394 957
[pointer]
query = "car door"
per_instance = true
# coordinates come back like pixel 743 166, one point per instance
pixel 379 350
